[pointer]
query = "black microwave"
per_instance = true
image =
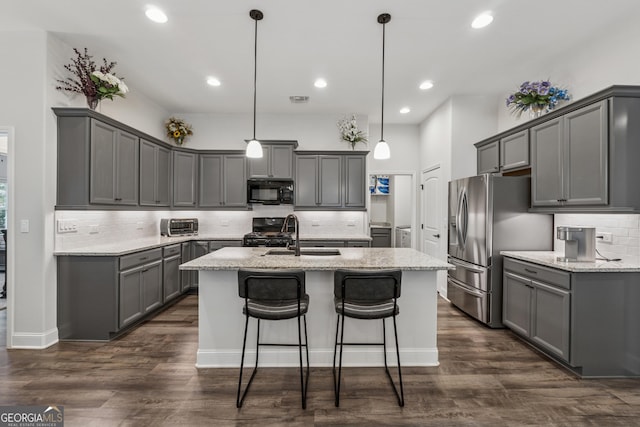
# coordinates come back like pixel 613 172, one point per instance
pixel 270 191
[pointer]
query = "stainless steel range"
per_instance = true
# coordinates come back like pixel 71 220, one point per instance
pixel 267 232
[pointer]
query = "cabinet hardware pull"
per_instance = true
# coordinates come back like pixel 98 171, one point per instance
pixel 144 258
pixel 437 236
pixel 118 199
pixel 145 270
pixel 530 271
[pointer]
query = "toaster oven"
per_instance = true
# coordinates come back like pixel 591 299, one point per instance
pixel 178 226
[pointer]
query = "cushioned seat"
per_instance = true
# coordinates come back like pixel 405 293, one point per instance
pixel 366 294
pixel 273 295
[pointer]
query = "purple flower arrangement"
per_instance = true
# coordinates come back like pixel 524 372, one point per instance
pixel 537 96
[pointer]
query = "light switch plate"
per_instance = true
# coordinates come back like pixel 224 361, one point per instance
pixel 24 225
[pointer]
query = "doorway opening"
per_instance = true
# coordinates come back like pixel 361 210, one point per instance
pixel 392 204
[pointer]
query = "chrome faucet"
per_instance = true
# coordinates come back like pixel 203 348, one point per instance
pixel 296 223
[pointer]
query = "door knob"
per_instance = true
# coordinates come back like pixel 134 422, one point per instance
pixel 437 236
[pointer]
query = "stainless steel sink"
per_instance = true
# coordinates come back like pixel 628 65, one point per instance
pixel 309 251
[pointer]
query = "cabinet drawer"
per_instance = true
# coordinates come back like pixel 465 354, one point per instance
pixel 138 258
pixel 537 272
pixel 172 250
pixel 321 243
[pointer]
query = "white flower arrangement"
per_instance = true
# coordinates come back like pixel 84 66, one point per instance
pixel 108 85
pixel 349 131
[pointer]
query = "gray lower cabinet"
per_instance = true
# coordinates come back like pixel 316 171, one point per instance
pixel 156 175
pixel 334 243
pixel 214 245
pixel 380 237
pixel 536 309
pixel 140 292
pixel 570 158
pixel 113 166
pixel 186 276
pixel 223 180
pixel 185 179
pixel 276 161
pixel 172 258
pixel 588 321
pixel 358 243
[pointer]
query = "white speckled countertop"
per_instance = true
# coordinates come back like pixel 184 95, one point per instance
pixel 353 258
pixel 549 259
pixel 134 245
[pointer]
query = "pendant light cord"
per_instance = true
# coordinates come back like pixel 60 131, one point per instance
pixel 382 118
pixel 255 75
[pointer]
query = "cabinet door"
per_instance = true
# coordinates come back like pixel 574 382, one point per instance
pixel 235 180
pixel 514 151
pixel 586 156
pixel 184 178
pixel 260 168
pixel 330 181
pixel 198 249
pixel 516 303
pixel 357 244
pixel 489 158
pixel 282 161
pixel 171 278
pixel 306 182
pixel 103 163
pixel 211 177
pixel 550 320
pixel 126 169
pixel 355 170
pixel 164 177
pixel 151 279
pixel 130 297
pixel 547 157
pixel 148 173
pixel 186 275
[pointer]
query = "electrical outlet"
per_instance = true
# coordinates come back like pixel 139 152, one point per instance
pixel 93 229
pixel 315 223
pixel 351 223
pixel 224 223
pixel 139 225
pixel 604 237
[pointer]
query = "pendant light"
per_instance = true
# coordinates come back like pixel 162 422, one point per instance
pixel 382 151
pixel 254 149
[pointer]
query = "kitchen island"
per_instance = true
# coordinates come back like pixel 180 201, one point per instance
pixel 221 322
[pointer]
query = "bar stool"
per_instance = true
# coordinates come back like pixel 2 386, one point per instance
pixel 366 294
pixel 273 295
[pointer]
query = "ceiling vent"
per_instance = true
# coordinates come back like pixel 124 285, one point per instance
pixel 299 99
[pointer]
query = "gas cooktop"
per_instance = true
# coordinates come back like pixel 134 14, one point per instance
pixel 267 232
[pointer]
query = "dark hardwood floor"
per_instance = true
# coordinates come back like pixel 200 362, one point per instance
pixel 147 378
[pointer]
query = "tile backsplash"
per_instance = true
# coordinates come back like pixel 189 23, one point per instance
pixel 624 229
pixel 104 227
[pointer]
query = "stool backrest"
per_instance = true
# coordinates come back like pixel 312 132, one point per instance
pixel 367 285
pixel 271 284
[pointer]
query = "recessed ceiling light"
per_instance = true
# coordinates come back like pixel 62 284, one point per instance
pixel 212 81
pixel 156 15
pixel 482 20
pixel 320 83
pixel 427 84
pixel 405 110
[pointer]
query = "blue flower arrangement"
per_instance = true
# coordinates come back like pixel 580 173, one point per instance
pixel 536 97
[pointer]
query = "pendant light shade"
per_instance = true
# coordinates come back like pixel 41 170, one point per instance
pixel 382 151
pixel 254 149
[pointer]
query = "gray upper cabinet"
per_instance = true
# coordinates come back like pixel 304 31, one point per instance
pixel 508 153
pixel 570 158
pixel 155 174
pixel 276 161
pixel 223 181
pixel 355 185
pixel 185 174
pixel 114 165
pixel 489 158
pixel 514 151
pixel 330 180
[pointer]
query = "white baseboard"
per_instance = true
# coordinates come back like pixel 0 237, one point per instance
pixel 34 341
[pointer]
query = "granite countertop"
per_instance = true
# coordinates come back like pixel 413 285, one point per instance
pixel 353 258
pixel 549 259
pixel 135 245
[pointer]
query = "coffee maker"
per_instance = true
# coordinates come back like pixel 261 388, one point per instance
pixel 579 243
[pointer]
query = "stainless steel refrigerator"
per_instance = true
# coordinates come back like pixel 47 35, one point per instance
pixel 488 214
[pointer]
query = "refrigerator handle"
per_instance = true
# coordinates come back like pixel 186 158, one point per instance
pixel 465 217
pixel 459 221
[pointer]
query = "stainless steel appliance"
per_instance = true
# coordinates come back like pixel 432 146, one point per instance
pixel 403 236
pixel 178 226
pixel 488 214
pixel 579 243
pixel 270 191
pixel 267 232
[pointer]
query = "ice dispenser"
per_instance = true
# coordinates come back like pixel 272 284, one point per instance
pixel 579 243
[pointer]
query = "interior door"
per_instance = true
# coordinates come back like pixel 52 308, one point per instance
pixel 431 230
